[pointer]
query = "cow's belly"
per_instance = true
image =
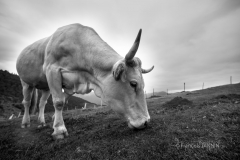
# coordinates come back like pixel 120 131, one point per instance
pixel 36 79
pixel 30 65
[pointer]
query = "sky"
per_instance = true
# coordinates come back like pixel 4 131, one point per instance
pixel 191 41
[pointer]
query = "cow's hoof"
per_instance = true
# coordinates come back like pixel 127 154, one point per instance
pixel 42 125
pixel 25 125
pixel 59 136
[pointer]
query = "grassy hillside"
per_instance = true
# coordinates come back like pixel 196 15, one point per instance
pixel 10 87
pixel 202 124
pixel 11 97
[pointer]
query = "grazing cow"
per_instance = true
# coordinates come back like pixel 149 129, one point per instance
pixel 76 60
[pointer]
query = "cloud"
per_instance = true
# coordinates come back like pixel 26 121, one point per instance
pixel 187 41
pixel 199 46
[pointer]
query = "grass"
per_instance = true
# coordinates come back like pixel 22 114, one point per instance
pixel 200 125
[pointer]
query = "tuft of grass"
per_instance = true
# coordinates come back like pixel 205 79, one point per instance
pixel 177 102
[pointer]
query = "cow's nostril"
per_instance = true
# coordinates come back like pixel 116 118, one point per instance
pixel 145 124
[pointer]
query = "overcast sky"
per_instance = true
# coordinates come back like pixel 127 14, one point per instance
pixel 192 41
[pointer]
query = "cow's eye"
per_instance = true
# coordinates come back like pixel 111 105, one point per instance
pixel 133 84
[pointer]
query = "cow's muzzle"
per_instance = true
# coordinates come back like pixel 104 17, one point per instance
pixel 138 125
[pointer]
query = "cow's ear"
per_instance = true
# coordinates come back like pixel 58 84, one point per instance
pixel 118 71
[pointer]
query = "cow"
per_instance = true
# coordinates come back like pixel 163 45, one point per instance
pixel 74 59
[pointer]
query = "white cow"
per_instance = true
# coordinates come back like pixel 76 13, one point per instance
pixel 75 59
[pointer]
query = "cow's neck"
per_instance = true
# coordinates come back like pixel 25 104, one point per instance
pixel 101 63
pixel 99 59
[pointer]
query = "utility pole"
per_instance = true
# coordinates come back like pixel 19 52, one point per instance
pixel 184 86
pixel 153 91
pixel 203 85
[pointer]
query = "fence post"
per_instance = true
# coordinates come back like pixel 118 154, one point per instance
pixel 85 106
pixel 11 117
pixel 19 114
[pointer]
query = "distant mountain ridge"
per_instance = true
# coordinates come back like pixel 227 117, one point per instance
pixel 91 97
pixel 11 93
pixel 157 94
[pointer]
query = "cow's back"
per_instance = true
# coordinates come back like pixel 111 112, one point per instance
pixel 72 47
pixel 78 47
pixel 30 64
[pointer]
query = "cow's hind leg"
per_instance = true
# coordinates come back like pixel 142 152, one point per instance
pixel 42 103
pixel 27 96
pixel 55 84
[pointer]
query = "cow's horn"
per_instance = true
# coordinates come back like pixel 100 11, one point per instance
pixel 134 48
pixel 147 70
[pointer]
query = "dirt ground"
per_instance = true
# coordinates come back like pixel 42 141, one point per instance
pixel 202 124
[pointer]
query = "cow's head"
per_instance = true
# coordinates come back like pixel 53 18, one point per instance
pixel 125 92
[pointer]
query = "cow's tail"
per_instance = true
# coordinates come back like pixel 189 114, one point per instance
pixel 34 99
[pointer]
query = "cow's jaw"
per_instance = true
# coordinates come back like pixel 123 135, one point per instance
pixel 137 116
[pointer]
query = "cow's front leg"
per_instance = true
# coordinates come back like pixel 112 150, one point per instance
pixel 55 84
pixel 58 125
